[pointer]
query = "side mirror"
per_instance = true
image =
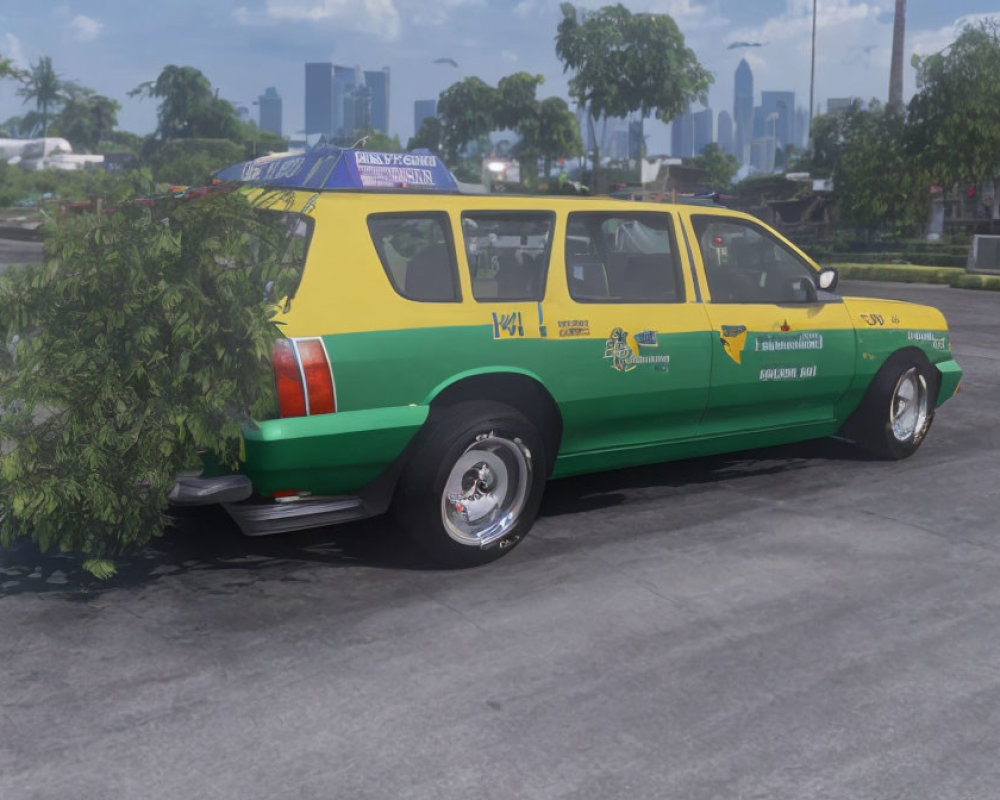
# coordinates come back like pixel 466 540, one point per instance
pixel 827 280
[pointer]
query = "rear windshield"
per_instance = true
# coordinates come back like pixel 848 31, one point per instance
pixel 280 243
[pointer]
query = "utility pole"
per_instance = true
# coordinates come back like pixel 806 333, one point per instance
pixel 896 70
pixel 812 73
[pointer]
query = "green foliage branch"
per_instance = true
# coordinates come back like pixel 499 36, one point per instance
pixel 142 341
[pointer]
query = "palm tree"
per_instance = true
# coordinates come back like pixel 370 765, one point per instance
pixel 44 87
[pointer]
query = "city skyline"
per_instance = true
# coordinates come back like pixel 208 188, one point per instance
pixel 243 46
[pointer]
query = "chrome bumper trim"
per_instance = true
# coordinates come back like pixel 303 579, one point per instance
pixel 261 519
pixel 190 491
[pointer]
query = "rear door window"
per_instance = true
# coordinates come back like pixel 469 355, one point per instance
pixel 622 258
pixel 281 242
pixel 508 253
pixel 417 254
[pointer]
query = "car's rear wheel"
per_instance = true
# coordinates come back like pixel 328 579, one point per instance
pixel 471 490
pixel 898 409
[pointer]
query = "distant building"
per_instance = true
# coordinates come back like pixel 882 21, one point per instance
pixel 682 136
pixel 319 98
pixel 378 97
pixel 636 139
pixel 835 104
pixel 269 107
pixel 422 109
pixel 725 133
pixel 801 128
pixel 703 129
pixel 779 114
pixel 345 79
pixel 743 110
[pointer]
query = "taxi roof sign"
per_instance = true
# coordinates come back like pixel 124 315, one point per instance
pixel 340 168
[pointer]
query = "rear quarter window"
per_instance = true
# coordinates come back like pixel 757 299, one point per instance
pixel 280 241
pixel 417 254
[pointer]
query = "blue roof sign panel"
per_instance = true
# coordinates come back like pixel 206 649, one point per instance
pixel 336 168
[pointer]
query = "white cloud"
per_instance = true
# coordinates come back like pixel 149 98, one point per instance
pixel 379 18
pixel 85 29
pixel 10 47
pixel 508 55
pixel 926 42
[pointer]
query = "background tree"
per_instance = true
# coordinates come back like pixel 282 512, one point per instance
pixel 515 101
pixel 624 62
pixel 719 166
pixel 43 85
pixel 954 119
pixel 87 118
pixel 428 136
pixel 558 131
pixel 878 185
pixel 188 108
pixel 465 110
pixel 8 70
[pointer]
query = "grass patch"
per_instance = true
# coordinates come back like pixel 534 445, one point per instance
pixel 907 273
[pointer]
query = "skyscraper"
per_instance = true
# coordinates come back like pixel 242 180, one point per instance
pixel 782 127
pixel 269 105
pixel 743 110
pixel 378 92
pixel 682 136
pixel 703 128
pixel 342 87
pixel 319 94
pixel 422 109
pixel 725 132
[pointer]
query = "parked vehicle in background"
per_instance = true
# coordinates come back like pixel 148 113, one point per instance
pixel 445 354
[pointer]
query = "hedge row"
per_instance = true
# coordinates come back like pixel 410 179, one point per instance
pixel 956 278
pixel 919 259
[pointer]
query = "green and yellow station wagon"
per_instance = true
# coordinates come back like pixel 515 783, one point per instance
pixel 445 353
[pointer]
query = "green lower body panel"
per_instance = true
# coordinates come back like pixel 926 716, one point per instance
pixel 328 454
pixel 951 376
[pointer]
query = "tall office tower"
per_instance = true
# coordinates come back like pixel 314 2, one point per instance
pixel 422 109
pixel 779 116
pixel 344 81
pixel 704 132
pixel 636 139
pixel 357 110
pixel 378 90
pixel 319 93
pixel 801 128
pixel 682 136
pixel 743 110
pixel 269 105
pixel 725 132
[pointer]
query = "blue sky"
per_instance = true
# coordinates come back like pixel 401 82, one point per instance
pixel 244 46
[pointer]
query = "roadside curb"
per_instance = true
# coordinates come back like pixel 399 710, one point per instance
pixel 955 277
pixel 21 233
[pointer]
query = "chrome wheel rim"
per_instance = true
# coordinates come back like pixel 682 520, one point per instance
pixel 908 411
pixel 486 490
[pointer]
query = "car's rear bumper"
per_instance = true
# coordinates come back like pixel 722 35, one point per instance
pixel 267 517
pixel 202 491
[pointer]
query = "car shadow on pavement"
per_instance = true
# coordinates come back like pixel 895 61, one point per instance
pixel 206 539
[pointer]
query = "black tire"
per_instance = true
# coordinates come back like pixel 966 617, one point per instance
pixel 481 453
pixel 898 408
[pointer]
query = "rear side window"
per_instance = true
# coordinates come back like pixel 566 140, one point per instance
pixel 417 254
pixel 622 258
pixel 281 241
pixel 508 253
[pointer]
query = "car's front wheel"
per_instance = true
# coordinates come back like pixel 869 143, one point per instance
pixel 471 489
pixel 898 409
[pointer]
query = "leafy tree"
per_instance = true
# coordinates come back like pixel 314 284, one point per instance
pixel 378 140
pixel 515 100
pixel 44 86
pixel 188 108
pixel 558 131
pixel 465 110
pixel 192 161
pixel 8 70
pixel 87 118
pixel 954 119
pixel 878 185
pixel 625 62
pixel 719 166
pixel 143 338
pixel 428 137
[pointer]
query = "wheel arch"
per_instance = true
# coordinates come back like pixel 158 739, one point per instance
pixel 518 388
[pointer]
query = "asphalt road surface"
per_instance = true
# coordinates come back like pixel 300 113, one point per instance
pixel 791 623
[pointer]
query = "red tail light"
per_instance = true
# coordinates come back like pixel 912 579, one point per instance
pixel 303 378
